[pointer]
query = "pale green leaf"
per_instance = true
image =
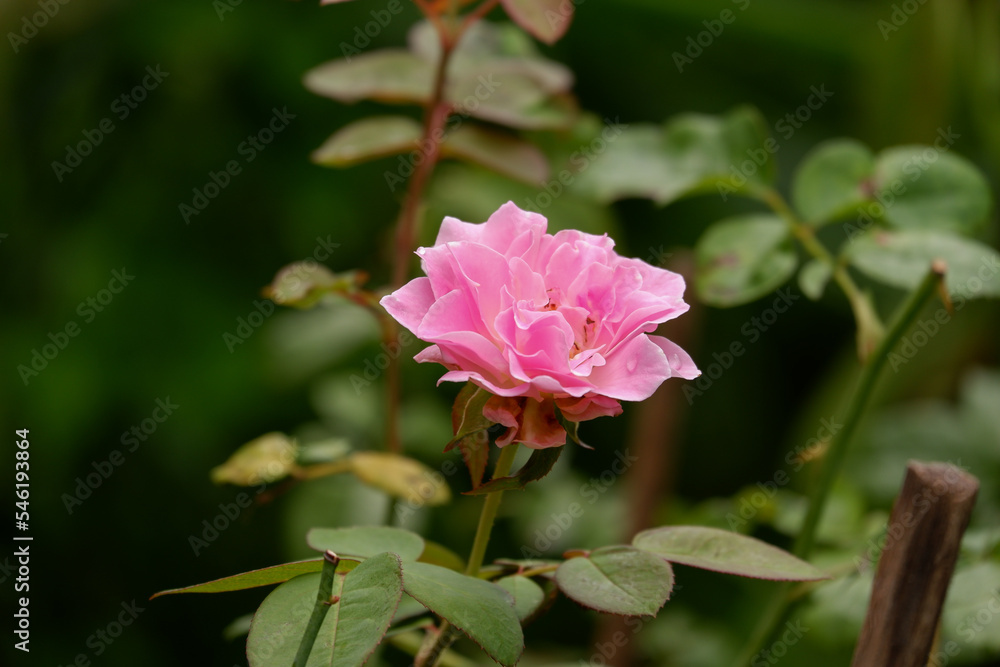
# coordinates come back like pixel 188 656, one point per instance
pixel 369 139
pixel 903 258
pixel 742 259
pixel 725 551
pixel 617 580
pixel 833 180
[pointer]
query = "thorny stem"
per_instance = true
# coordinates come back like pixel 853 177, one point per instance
pixel 324 601
pixel 436 115
pixel 777 606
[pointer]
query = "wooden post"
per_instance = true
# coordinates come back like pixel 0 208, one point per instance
pixel 922 543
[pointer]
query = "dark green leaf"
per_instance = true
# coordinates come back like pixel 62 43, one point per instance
pixel 724 551
pixel 367 541
pixel 539 465
pixel 353 626
pixel 833 180
pixel 902 259
pixel 528 596
pixel 480 609
pixel 742 259
pixel 923 188
pixel 368 139
pixel 267 576
pixel 617 580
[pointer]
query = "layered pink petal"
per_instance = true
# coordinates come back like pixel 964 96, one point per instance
pixel 542 320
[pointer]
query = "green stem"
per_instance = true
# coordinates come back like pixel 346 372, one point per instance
pixel 776 608
pixel 487 517
pixel 869 327
pixel 489 513
pixel 323 603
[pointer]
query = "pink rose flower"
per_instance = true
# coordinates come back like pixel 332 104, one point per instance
pixel 542 321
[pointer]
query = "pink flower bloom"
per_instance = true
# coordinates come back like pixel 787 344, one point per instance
pixel 542 319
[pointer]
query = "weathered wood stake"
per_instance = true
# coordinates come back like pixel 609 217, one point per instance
pixel 922 543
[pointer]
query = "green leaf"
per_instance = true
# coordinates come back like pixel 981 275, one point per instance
pixel 267 576
pixel 528 596
pixel 539 465
pixel 633 164
pixel 501 152
pixel 401 476
pixel 923 188
pixel 813 277
pixel 547 20
pixel 390 75
pixel 690 154
pixel 902 259
pixel 617 580
pixel 724 551
pixel 369 139
pixel 262 460
pixel 367 541
pixel 833 180
pixel 352 629
pixel 480 609
pixel 729 154
pixel 515 98
pixel 304 284
pixel 744 258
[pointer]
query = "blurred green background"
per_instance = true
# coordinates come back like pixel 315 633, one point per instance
pixel 228 66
